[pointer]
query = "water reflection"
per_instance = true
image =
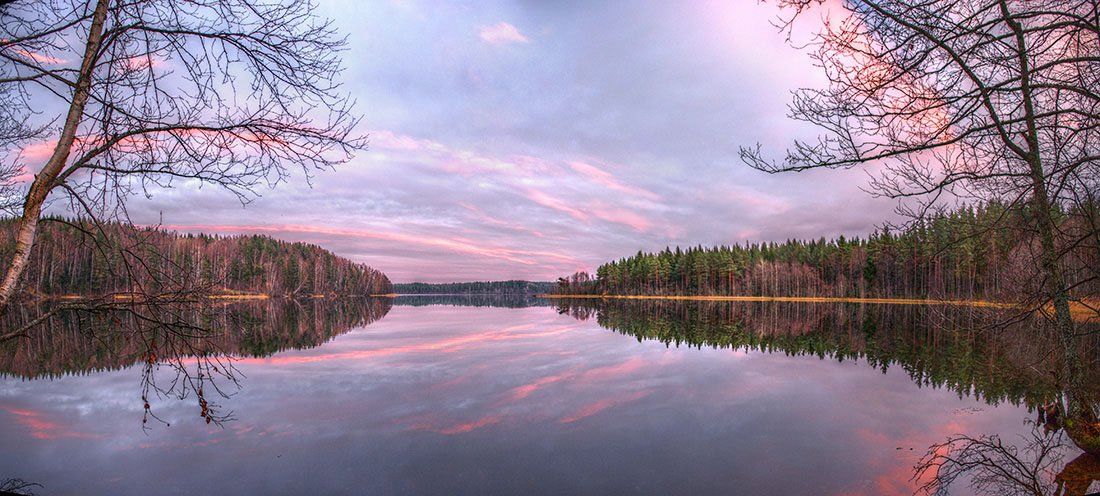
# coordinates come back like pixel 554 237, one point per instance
pixel 189 353
pixel 444 399
pixel 952 347
pixel 1033 464
pixel 937 346
pixel 76 343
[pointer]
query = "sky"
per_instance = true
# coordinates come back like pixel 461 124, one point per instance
pixel 529 140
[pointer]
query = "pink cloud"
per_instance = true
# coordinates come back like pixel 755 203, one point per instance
pixel 434 423
pixel 520 172
pixel 629 366
pixel 601 177
pixel 143 62
pixel 458 245
pixel 601 405
pixel 38 57
pixel 501 33
pixel 621 216
pixel 896 472
pixel 553 203
pixel 521 392
pixel 39 151
pixel 583 377
pixel 530 177
pixel 390 140
pixel 470 426
pixel 480 214
pixel 447 345
pixel 41 427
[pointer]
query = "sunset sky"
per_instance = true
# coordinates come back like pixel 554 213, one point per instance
pixel 533 139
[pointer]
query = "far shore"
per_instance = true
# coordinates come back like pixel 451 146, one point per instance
pixel 394 295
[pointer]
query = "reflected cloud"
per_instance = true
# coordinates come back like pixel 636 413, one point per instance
pixel 521 392
pixel 601 405
pixel 40 427
pixel 521 395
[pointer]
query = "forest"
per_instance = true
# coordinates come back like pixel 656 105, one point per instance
pixel 979 252
pixel 476 288
pixel 80 258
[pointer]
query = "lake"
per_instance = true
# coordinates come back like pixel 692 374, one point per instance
pixel 456 395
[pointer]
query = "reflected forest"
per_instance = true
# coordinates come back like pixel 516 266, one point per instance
pixel 965 350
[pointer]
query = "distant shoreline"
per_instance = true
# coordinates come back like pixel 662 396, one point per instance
pixel 394 295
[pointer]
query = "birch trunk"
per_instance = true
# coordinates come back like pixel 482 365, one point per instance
pixel 44 181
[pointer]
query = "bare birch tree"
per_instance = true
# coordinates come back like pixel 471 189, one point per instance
pixel 134 96
pixel 952 101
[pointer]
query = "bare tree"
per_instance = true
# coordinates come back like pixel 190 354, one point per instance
pixel 992 466
pixel 956 101
pixel 140 95
pixel 1034 466
pixel 18 486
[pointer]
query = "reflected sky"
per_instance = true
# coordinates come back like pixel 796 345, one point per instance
pixel 475 400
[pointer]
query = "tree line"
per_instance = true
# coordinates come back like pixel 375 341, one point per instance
pixel 952 255
pixel 971 101
pixel 137 97
pixel 472 300
pixel 79 257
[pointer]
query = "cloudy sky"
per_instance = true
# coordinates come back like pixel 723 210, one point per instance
pixel 532 139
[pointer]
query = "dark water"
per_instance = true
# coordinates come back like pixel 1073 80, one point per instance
pixel 426 395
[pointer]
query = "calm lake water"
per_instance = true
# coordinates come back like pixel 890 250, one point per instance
pixel 433 395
